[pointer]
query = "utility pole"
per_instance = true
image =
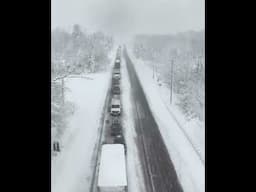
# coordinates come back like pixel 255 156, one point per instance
pixel 153 66
pixel 200 62
pixel 62 90
pixel 156 74
pixel 63 83
pixel 171 83
pixel 153 62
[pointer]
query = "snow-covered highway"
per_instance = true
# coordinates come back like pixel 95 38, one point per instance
pixel 158 169
pixel 158 156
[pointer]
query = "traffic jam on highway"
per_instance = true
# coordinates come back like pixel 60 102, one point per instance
pixel 112 164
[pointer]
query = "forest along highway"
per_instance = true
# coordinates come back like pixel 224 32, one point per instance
pixel 158 169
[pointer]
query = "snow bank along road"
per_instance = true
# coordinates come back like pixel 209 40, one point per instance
pixel 159 172
pixel 93 187
pixel 72 168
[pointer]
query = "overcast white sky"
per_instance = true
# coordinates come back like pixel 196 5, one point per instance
pixel 125 17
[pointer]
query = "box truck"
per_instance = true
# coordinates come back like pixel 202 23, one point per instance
pixel 112 169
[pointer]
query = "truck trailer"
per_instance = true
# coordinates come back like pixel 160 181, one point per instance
pixel 112 170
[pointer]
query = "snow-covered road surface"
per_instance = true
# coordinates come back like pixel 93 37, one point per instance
pixel 159 172
pixel 134 166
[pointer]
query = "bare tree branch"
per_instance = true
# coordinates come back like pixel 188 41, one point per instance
pixel 69 75
pixel 60 77
pixel 80 76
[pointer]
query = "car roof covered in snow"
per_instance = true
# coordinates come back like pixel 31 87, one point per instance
pixel 115 101
pixel 112 171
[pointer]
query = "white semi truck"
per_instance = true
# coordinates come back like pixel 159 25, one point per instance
pixel 112 170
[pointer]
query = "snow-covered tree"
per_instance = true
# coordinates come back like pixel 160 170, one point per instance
pixel 187 52
pixel 73 53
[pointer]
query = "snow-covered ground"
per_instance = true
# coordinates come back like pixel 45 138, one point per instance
pixel 184 139
pixel 72 169
pixel 134 169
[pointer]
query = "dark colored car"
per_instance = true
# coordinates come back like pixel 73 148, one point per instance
pixel 115 81
pixel 116 71
pixel 119 139
pixel 117 65
pixel 116 120
pixel 116 128
pixel 116 90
